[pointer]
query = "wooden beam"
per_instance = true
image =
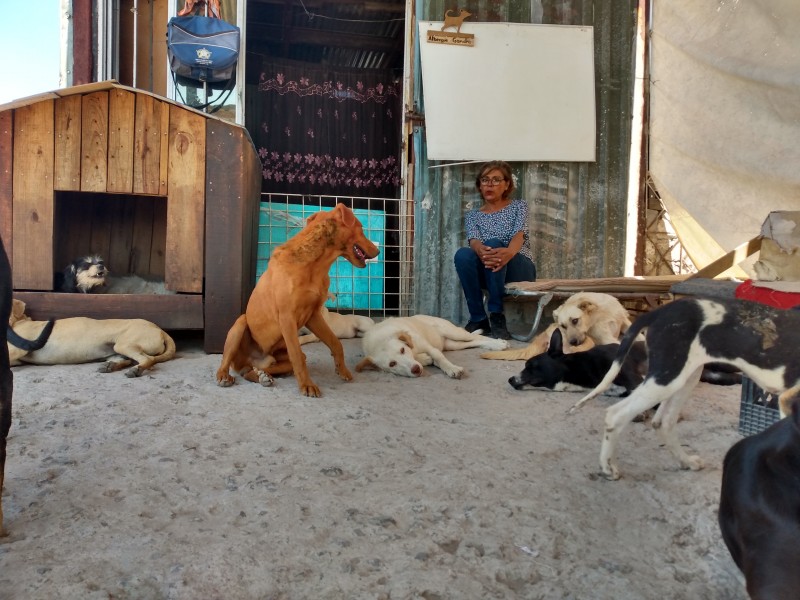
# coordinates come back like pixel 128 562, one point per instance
pixel 82 62
pixel 731 259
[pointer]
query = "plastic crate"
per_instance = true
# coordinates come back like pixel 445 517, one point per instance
pixel 758 410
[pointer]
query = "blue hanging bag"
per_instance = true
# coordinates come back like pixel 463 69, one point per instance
pixel 202 49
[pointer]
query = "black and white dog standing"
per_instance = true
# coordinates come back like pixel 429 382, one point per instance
pixel 759 508
pixel 682 337
pixel 580 371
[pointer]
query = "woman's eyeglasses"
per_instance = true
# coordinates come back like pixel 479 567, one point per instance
pixel 492 181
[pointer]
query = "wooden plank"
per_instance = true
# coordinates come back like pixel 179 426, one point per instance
pixel 33 196
pixel 101 219
pixel 185 201
pixel 119 255
pixel 142 242
pixel 232 204
pixel 6 177
pixel 159 242
pixel 121 112
pixel 731 259
pixel 148 130
pixel 168 311
pixel 163 177
pixel 82 44
pixel 67 174
pixel 73 229
pixel 94 142
pixel 159 58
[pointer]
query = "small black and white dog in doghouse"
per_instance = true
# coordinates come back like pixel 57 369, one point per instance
pixel 86 275
pixel 89 274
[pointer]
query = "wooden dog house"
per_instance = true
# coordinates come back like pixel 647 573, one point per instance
pixel 156 188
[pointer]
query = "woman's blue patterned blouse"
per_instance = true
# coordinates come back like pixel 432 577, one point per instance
pixel 502 225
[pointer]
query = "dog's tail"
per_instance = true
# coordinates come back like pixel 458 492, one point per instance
pixel 25 344
pixel 625 346
pixel 363 324
pixel 511 354
pixel 169 349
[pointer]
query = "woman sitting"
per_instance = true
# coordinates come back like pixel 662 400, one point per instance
pixel 499 249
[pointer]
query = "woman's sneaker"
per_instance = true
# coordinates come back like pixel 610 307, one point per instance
pixel 473 326
pixel 498 324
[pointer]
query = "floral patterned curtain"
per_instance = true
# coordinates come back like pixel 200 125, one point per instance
pixel 330 131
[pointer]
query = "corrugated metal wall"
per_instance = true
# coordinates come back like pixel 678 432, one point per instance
pixel 578 210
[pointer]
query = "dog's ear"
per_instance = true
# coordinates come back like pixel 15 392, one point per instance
pixel 366 363
pixel 346 215
pixel 405 337
pixel 556 346
pixel 587 306
pixel 17 310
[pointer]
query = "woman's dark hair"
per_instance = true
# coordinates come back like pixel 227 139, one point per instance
pixel 501 166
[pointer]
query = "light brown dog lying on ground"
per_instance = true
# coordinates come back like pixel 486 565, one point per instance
pixel 289 295
pixel 585 319
pixel 538 345
pixel 121 342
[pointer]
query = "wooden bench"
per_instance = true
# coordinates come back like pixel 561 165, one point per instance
pixel 649 291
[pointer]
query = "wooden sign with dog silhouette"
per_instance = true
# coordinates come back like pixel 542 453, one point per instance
pixel 448 37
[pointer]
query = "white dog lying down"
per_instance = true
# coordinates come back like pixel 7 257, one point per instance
pixel 403 345
pixel 121 342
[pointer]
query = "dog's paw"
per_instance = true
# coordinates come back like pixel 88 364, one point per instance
pixel 610 471
pixel 134 372
pixel 224 380
pixel 106 367
pixel 311 390
pixel 455 372
pixel 265 378
pixel 495 344
pixel 344 373
pixel 692 462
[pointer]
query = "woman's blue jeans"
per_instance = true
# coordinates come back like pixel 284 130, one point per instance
pixel 475 278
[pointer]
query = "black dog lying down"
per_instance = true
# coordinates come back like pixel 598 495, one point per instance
pixel 759 509
pixel 581 371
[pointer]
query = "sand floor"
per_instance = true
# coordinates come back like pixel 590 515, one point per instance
pixel 168 486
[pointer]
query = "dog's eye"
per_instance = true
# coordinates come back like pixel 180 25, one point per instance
pixel 403 350
pixel 392 363
pixel 575 321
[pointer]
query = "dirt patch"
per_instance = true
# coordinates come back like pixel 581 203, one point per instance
pixel 168 486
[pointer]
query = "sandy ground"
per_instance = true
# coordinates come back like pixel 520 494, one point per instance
pixel 168 486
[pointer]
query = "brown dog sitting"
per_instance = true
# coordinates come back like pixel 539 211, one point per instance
pixel 289 295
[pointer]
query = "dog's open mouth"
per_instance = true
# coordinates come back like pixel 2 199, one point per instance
pixel 360 255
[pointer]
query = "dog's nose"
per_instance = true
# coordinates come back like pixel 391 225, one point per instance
pixel 416 370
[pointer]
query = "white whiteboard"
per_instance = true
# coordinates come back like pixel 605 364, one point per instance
pixel 521 93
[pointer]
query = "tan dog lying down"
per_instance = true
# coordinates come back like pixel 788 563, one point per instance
pixel 585 319
pixel 404 345
pixel 121 342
